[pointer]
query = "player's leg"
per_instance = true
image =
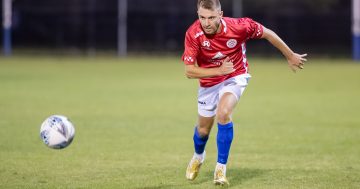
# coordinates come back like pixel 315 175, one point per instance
pixel 207 102
pixel 224 138
pixel 201 135
pixel 229 96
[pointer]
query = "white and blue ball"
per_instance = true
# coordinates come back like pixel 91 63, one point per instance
pixel 57 132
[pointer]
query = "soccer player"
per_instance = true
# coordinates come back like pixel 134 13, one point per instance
pixel 215 53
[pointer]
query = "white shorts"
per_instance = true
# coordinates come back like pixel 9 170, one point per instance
pixel 208 97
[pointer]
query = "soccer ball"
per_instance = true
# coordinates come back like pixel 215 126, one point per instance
pixel 57 132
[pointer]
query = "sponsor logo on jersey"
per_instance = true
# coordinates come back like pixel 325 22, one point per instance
pixel 231 43
pixel 218 55
pixel 216 59
pixel 202 103
pixel 258 31
pixel 206 44
pixel 199 34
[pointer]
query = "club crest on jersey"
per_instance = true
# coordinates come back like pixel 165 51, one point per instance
pixel 231 43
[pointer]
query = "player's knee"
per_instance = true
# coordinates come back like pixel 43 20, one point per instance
pixel 203 132
pixel 224 116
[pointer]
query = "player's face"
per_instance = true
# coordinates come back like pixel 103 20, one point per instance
pixel 210 20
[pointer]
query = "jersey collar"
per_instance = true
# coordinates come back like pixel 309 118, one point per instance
pixel 224 25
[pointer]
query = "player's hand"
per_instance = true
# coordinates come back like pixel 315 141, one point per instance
pixel 227 67
pixel 297 61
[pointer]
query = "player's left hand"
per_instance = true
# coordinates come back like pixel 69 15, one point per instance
pixel 297 61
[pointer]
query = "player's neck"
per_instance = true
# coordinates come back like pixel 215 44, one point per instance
pixel 219 28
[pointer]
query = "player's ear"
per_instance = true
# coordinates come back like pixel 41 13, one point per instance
pixel 221 13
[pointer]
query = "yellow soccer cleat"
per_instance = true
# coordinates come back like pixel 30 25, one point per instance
pixel 220 176
pixel 193 168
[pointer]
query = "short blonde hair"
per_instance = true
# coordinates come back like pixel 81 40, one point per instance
pixel 209 4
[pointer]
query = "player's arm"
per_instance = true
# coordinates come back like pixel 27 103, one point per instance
pixel 194 72
pixel 295 60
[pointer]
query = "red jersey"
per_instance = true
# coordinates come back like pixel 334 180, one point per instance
pixel 208 51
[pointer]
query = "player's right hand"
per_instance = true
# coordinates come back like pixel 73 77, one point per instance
pixel 227 67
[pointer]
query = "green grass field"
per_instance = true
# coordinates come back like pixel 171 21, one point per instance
pixel 134 122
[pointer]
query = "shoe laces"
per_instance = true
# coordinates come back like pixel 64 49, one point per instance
pixel 195 164
pixel 220 172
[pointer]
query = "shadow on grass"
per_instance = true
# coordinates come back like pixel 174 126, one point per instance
pixel 235 176
pixel 238 176
pixel 184 184
pixel 162 186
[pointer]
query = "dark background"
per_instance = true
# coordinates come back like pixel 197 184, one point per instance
pixel 320 27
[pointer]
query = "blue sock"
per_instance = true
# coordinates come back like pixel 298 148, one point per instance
pixel 224 139
pixel 199 142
